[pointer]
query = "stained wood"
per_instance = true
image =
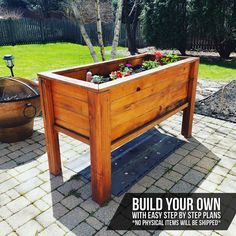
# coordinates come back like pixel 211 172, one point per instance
pixel 69 91
pixel 188 113
pixel 100 145
pixel 72 134
pixel 157 101
pixel 140 93
pixel 149 73
pixel 71 104
pixel 108 115
pixel 139 121
pixel 129 136
pixel 163 79
pixel 51 135
pixel 101 68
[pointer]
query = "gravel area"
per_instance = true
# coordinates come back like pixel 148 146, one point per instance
pixel 221 104
pixel 206 88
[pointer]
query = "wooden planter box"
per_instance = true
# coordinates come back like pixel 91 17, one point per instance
pixel 106 116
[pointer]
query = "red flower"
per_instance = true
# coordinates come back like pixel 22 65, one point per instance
pixel 118 74
pixel 158 55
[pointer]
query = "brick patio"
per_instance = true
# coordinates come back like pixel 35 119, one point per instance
pixel 33 202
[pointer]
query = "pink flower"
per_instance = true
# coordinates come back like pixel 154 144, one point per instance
pixel 128 65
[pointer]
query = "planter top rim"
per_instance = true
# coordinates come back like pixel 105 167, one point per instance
pixel 51 75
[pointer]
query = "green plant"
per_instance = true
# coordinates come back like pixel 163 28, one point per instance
pixel 169 58
pixel 126 68
pixel 147 65
pixel 97 79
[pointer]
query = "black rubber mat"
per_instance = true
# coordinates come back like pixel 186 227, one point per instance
pixel 136 158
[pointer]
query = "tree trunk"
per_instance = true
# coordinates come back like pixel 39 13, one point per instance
pixel 131 19
pixel 83 31
pixel 117 29
pixel 182 51
pixel 225 49
pixel 99 30
pixel 131 36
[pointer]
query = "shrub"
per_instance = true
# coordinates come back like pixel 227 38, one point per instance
pixel 217 21
pixel 164 22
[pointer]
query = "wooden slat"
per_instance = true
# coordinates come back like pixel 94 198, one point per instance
pixel 127 137
pixel 71 117
pixel 161 86
pixel 72 134
pixel 70 91
pixel 103 69
pixel 72 121
pixel 72 126
pixel 143 82
pixel 138 121
pixel 71 104
pixel 156 102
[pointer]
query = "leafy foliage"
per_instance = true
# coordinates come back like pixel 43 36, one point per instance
pixel 169 58
pixel 97 79
pixel 169 23
pixel 165 23
pixel 216 20
pixel 147 65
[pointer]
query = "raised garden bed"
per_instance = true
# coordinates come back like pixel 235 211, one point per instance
pixel 107 115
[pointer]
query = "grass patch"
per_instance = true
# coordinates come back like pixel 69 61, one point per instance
pixel 217 69
pixel 34 58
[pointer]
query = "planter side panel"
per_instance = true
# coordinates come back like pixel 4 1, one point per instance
pixel 142 100
pixel 71 107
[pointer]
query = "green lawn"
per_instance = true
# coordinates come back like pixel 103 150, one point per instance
pixel 217 69
pixel 31 59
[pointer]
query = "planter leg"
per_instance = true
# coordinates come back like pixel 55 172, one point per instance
pixel 100 146
pixel 53 151
pixel 51 135
pixel 188 113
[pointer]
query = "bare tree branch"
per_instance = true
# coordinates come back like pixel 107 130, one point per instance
pixel 75 6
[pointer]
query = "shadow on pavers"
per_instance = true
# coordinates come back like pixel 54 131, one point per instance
pixel 77 190
pixel 23 152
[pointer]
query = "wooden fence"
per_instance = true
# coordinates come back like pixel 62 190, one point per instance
pixel 30 31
